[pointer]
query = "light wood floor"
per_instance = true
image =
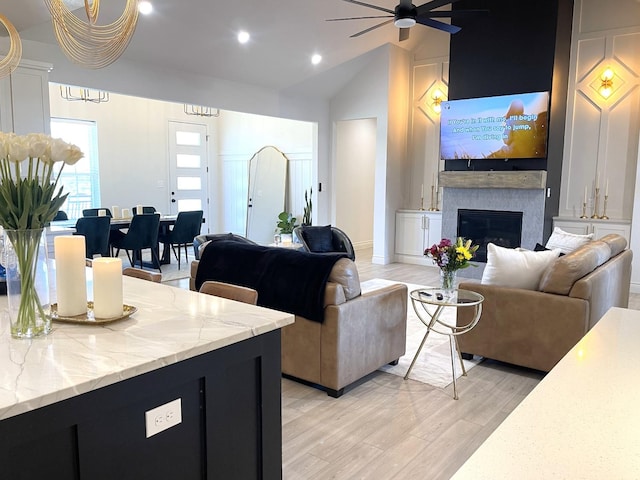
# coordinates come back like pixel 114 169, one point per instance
pixel 390 428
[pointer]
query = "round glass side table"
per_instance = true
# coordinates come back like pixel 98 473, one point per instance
pixel 436 297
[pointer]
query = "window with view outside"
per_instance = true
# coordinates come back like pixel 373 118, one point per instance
pixel 82 180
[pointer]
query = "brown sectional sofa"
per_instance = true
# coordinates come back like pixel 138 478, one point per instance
pixel 536 329
pixel 359 333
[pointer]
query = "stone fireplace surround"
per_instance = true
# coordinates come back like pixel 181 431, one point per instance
pixel 487 193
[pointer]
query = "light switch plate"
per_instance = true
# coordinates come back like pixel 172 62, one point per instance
pixel 163 417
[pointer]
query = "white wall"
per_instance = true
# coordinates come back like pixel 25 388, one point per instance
pixel 143 81
pixel 380 91
pixel 239 136
pixel 603 135
pixel 354 179
pixel 133 153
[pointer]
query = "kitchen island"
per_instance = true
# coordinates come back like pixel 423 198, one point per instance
pixel 73 404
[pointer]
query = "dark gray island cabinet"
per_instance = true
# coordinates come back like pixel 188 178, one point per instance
pixel 187 388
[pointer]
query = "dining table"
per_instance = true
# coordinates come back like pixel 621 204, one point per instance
pixel 67 227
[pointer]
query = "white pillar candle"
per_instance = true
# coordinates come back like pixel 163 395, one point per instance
pixel 139 209
pixel 71 277
pixel 126 213
pixel 107 287
pixel 102 212
pixel 115 212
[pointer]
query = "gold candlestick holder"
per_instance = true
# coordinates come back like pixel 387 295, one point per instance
pixel 604 208
pixel 421 203
pixel 596 200
pixel 434 206
pixel 584 210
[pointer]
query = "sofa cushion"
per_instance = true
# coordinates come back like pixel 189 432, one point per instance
pixel 345 273
pixel 565 271
pixel 567 242
pixel 617 243
pixel 319 239
pixel 516 268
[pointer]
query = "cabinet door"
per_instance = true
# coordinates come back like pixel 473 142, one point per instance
pixel 435 230
pixel 410 233
pixel 600 230
pixel 30 95
pixel 579 228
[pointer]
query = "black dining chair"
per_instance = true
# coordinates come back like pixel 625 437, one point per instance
pixel 61 215
pixel 96 235
pixel 186 228
pixel 142 234
pixel 93 212
pixel 145 209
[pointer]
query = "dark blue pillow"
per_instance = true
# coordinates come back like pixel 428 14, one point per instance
pixel 319 239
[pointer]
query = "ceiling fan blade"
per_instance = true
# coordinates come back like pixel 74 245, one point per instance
pixel 445 27
pixel 454 13
pixel 370 6
pixel 427 7
pixel 354 18
pixel 404 34
pixel 367 30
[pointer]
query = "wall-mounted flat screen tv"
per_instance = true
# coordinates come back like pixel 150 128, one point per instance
pixel 504 127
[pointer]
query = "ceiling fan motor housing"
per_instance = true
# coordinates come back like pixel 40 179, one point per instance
pixel 405 17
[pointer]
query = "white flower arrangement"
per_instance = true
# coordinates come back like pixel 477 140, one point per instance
pixel 29 195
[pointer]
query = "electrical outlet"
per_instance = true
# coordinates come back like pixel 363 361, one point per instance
pixel 165 416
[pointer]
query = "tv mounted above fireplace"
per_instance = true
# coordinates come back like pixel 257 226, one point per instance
pixel 499 127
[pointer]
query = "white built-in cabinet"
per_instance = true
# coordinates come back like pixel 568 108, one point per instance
pixel 24 99
pixel 599 228
pixel 416 230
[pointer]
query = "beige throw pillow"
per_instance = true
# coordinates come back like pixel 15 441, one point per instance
pixel 516 268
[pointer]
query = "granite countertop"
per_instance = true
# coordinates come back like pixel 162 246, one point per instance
pixel 170 325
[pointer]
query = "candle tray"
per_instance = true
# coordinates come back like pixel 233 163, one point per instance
pixel 89 318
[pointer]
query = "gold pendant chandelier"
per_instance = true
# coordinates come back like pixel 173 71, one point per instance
pixel 9 63
pixel 88 44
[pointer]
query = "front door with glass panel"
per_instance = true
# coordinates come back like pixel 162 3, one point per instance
pixel 188 167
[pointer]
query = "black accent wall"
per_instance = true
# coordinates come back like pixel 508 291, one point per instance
pixel 518 47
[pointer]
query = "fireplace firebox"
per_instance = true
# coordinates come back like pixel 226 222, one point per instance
pixel 499 227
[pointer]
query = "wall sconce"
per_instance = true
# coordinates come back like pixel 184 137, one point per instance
pixel 437 96
pixel 199 111
pixel 606 83
pixel 84 95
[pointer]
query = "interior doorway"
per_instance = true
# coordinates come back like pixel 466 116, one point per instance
pixel 355 179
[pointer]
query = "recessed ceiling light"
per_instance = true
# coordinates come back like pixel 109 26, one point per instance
pixel 316 59
pixel 145 8
pixel 243 37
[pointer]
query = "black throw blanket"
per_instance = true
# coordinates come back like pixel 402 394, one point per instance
pixel 288 280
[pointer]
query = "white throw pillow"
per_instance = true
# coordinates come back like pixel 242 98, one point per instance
pixel 516 268
pixel 567 242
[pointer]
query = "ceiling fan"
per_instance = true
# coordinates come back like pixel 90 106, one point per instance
pixel 406 15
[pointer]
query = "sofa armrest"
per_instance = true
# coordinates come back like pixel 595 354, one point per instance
pixel 362 334
pixel 523 327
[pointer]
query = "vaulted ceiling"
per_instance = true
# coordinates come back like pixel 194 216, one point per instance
pixel 199 36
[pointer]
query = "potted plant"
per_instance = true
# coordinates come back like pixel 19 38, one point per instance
pixel 306 216
pixel 286 224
